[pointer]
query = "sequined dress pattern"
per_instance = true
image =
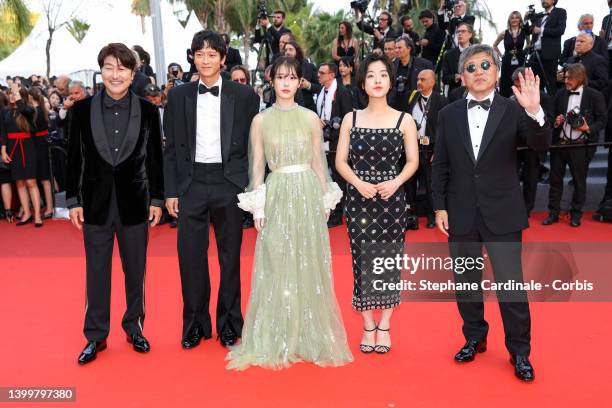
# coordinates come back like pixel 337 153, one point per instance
pixel 375 227
pixel 292 313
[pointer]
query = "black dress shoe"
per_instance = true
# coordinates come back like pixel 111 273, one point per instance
pixel 228 336
pixel 91 349
pixel 431 222
pixel 412 222
pixel 248 223
pixel 193 338
pixel 139 342
pixel 173 223
pixel 333 223
pixel 575 219
pixel 551 219
pixel 469 350
pixel 522 367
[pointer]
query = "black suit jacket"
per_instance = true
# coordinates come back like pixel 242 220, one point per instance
pixel 592 105
pixel 452 24
pixel 450 67
pixel 136 175
pixel 596 67
pixel 273 36
pixel 435 103
pixel 139 83
pixel 232 59
pixel 553 30
pixel 435 36
pixel 306 97
pixel 239 104
pixel 341 105
pixel 398 100
pixel 463 184
pixel 599 47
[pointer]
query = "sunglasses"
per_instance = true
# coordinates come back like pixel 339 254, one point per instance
pixel 485 65
pixel 241 80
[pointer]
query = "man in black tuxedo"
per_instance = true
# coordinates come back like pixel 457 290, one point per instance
pixel 596 65
pixel 459 16
pixel 529 160
pixel 206 125
pixel 380 33
pixel 333 102
pixel 547 32
pixel 407 68
pixel 433 37
pixel 424 106
pixel 477 196
pixel 233 55
pixel 272 34
pixel 592 105
pixel 450 61
pixel 585 23
pixel 114 188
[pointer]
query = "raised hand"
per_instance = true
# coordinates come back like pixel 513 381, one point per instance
pixel 529 95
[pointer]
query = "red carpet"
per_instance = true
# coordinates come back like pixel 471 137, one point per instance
pixel 42 305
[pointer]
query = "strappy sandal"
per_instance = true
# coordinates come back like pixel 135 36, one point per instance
pixel 379 348
pixel 8 214
pixel 367 348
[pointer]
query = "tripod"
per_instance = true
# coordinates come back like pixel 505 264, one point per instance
pixel 531 51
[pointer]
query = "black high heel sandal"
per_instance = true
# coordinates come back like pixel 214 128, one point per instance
pixel 24 222
pixel 8 214
pixel 379 348
pixel 367 348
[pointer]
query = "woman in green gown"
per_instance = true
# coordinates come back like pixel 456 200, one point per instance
pixel 292 314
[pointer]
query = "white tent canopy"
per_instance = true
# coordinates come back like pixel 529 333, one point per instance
pixel 113 22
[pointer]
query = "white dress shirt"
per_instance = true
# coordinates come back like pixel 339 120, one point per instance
pixel 538 44
pixel 572 102
pixel 477 120
pixel 208 126
pixel 418 113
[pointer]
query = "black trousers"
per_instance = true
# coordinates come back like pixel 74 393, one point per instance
pixel 547 71
pixel 578 161
pixel 99 241
pixel 608 193
pixel 210 199
pixel 505 255
pixel 336 213
pixel 529 161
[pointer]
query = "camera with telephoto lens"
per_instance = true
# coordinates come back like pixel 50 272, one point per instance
pixel 575 118
pixel 262 11
pixel 449 5
pixel 331 125
pixel 401 83
pixel 532 16
pixel 361 5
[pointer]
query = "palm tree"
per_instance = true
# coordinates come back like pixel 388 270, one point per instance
pixel 319 34
pixel 241 17
pixel 19 16
pixel 141 8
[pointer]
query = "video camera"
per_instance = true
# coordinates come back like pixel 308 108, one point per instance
pixel 361 5
pixel 449 5
pixel 262 11
pixel 532 16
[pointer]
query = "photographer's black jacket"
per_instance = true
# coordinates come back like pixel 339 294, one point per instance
pixel 553 30
pixel 596 67
pixel 592 106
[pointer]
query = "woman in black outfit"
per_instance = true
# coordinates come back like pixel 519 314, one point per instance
pixel 514 38
pixel 5 172
pixel 309 84
pixel 344 45
pixel 41 142
pixel 19 150
pixel 346 77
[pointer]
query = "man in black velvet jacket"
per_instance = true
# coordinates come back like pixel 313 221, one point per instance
pixel 114 187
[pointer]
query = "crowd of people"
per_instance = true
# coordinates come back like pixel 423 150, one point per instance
pixel 353 140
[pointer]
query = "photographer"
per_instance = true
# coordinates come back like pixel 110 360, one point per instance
pixel 450 61
pixel 424 106
pixel 233 57
pixel 333 102
pixel 271 33
pixel 546 29
pixel 596 65
pixel 380 32
pixel 408 29
pixel 451 13
pixel 433 37
pixel 407 70
pixel 580 115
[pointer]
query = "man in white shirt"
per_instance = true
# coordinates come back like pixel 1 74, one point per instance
pixel 477 196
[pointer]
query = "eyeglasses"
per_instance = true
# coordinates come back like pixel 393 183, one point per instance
pixel 323 73
pixel 485 65
pixel 241 80
pixel 383 19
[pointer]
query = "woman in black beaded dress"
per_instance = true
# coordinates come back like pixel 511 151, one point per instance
pixel 19 151
pixel 41 141
pixel 374 140
pixel 344 45
pixel 514 38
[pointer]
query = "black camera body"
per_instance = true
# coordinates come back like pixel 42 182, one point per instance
pixel 262 11
pixel 449 5
pixel 575 118
pixel 361 5
pixel 401 82
pixel 330 126
pixel 532 16
pixel 266 93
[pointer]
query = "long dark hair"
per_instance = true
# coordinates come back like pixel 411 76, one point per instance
pixel 299 53
pixel 37 95
pixel 349 31
pixel 22 122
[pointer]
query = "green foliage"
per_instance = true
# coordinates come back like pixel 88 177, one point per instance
pixel 78 28
pixel 13 31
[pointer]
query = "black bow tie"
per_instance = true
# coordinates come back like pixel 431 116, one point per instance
pixel 202 89
pixel 112 103
pixel 574 93
pixel 424 99
pixel 486 104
